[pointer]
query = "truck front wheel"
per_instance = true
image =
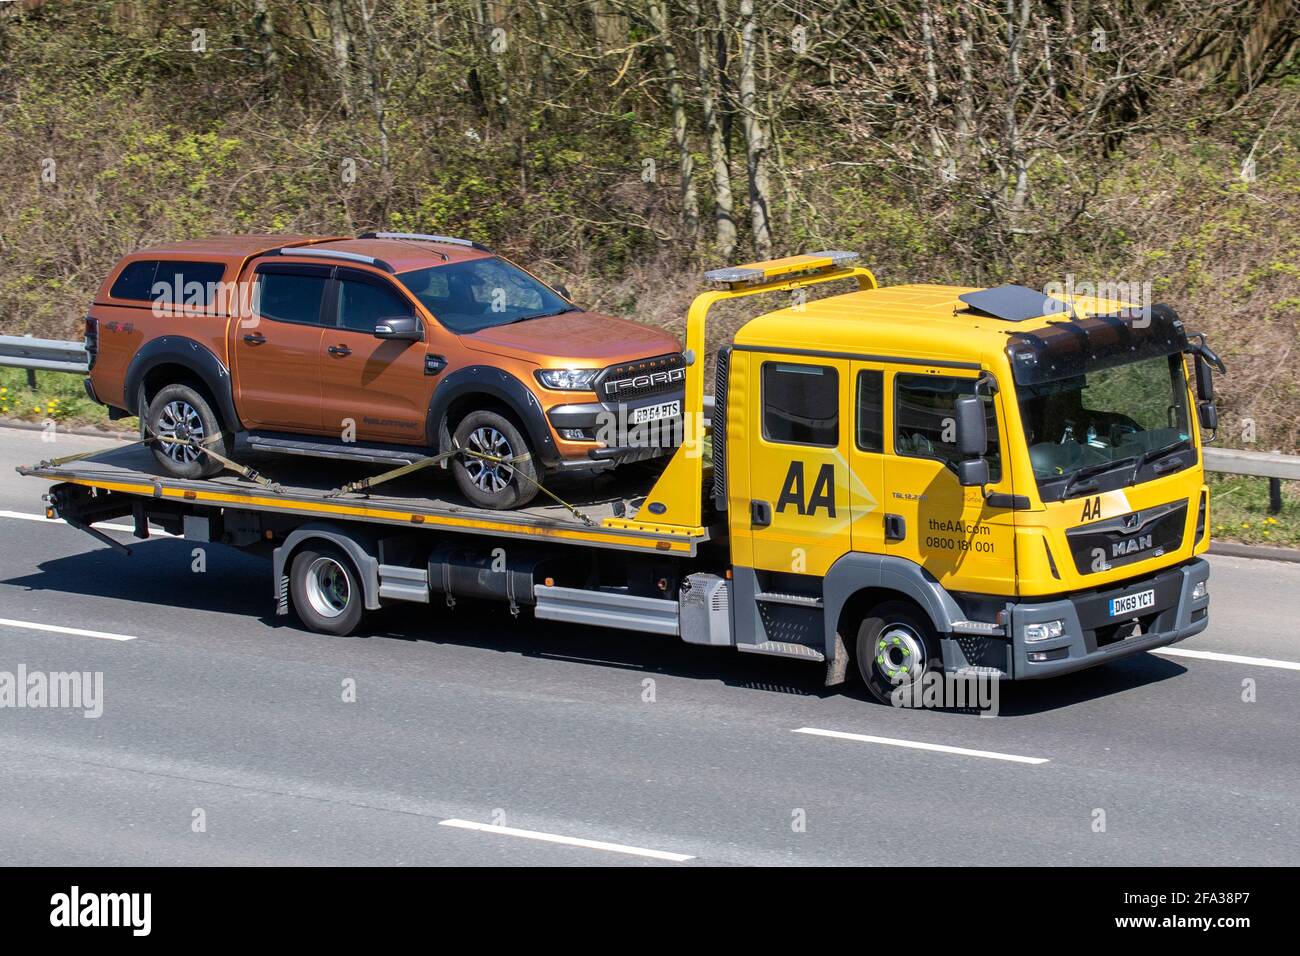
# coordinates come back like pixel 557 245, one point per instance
pixel 326 589
pixel 896 647
pixel 183 425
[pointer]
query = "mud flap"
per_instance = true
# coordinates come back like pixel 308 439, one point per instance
pixel 838 663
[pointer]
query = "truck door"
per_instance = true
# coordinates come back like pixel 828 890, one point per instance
pixel 867 457
pixel 379 384
pixel 799 509
pixel 929 518
pixel 276 350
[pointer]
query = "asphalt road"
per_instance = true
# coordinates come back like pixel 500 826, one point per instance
pixel 225 737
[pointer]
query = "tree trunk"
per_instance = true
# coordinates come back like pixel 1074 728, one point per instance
pixel 340 47
pixel 677 101
pixel 266 45
pixel 711 69
pixel 755 130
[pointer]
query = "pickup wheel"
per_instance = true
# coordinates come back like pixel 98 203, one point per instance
pixel 181 418
pixel 326 590
pixel 896 646
pixel 498 484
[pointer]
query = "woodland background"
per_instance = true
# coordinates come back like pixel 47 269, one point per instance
pixel 621 146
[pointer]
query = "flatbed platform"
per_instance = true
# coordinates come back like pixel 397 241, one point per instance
pixel 427 498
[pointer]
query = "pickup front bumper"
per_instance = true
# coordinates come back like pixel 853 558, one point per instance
pixel 1091 635
pixel 615 437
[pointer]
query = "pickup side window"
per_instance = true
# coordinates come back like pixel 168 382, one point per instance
pixel 871 411
pixel 291 293
pixel 925 421
pixel 363 301
pixel 135 282
pixel 801 404
pixel 191 284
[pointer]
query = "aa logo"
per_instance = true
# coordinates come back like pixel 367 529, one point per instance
pixel 1091 509
pixel 822 495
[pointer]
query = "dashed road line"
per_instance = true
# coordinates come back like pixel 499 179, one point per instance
pixel 568 841
pixel 919 745
pixel 57 629
pixel 1227 658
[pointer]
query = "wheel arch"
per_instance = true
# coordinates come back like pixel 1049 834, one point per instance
pixel 857 582
pixel 457 392
pixel 198 363
pixel 356 545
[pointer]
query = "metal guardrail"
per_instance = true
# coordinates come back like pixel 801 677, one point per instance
pixel 50 355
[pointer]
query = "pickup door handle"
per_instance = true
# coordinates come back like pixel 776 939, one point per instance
pixel 339 350
pixel 255 338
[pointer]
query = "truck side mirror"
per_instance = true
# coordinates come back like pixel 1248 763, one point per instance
pixel 1208 415
pixel 972 472
pixel 1204 379
pixel 402 327
pixel 972 430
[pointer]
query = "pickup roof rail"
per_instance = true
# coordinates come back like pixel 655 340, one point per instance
pixel 335 254
pixel 425 237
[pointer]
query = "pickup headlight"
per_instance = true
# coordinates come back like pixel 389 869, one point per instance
pixel 1045 631
pixel 568 379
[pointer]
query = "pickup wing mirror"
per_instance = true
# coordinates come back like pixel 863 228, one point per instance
pixel 401 327
pixel 972 429
pixel 563 290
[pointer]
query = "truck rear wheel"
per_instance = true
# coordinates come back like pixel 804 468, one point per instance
pixel 181 418
pixel 326 590
pixel 896 646
pixel 509 482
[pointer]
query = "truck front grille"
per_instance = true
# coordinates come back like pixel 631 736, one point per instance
pixel 1129 538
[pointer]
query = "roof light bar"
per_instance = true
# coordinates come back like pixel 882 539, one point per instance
pixel 425 237
pixel 755 272
pixel 335 254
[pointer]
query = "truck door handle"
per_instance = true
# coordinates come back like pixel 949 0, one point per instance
pixel 339 350
pixel 895 528
pixel 760 513
pixel 255 338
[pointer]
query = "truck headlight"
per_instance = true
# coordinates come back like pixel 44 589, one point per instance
pixel 1044 631
pixel 1200 590
pixel 568 379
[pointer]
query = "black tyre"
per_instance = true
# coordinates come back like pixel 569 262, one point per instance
pixel 510 482
pixel 896 646
pixel 326 590
pixel 181 412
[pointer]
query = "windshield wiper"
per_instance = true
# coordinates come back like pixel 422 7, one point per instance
pixel 544 315
pixel 1093 471
pixel 1155 454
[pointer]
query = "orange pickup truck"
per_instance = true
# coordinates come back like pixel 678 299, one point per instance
pixel 384 348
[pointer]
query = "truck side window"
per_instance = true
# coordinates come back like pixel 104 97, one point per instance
pixel 925 422
pixel 291 293
pixel 871 411
pixel 363 302
pixel 801 404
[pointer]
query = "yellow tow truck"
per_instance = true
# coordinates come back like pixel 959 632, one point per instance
pixel 920 478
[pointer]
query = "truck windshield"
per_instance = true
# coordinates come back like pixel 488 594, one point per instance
pixel 481 294
pixel 1097 430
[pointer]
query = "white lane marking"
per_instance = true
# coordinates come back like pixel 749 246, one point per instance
pixel 23 516
pixel 917 745
pixel 568 841
pixel 1228 658
pixel 78 631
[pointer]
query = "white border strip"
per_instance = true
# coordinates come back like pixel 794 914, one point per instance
pixel 917 745
pixel 1227 658
pixel 77 631
pixel 567 841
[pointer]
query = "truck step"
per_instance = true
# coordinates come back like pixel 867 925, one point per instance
pixel 334 448
pixel 783 649
pixel 799 600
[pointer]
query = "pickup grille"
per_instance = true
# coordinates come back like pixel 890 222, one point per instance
pixel 642 378
pixel 1129 538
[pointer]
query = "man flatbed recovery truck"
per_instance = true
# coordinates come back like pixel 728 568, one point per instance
pixel 917 478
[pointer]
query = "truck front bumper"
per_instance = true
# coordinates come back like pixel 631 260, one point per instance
pixel 1091 635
